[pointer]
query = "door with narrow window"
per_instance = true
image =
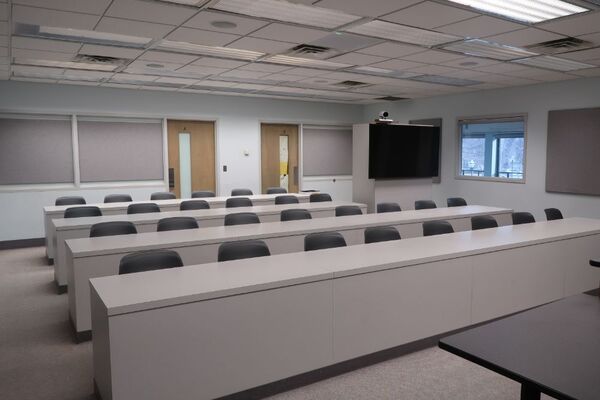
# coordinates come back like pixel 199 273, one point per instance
pixel 279 156
pixel 191 157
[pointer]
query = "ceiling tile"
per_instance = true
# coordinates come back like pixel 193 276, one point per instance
pixel 467 74
pixel 197 36
pixel 133 28
pixel 3 12
pixel 142 66
pixel 432 57
pixel 480 27
pixel 469 62
pixel 288 33
pixel 151 11
pixel 244 26
pixel 582 55
pixel 280 77
pixel 200 70
pixel 45 45
pixel 163 56
pixel 429 15
pixel 110 51
pixel 588 72
pixel 41 55
pixel 3 51
pixel 133 77
pixel 262 67
pixel 39 16
pixel 320 80
pixel 371 8
pixel 218 63
pixel 575 25
pixel 262 45
pixel 306 72
pixel 593 37
pixel 391 50
pixel 357 59
pixel 178 81
pixel 500 68
pixel 96 7
pixel 3 28
pixel 4 41
pixel 433 70
pixel 236 73
pixel 398 65
pixel 524 37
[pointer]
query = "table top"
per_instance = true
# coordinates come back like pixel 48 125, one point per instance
pixel 148 290
pixel 86 247
pixel 555 347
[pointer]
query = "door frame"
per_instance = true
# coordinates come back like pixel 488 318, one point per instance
pixel 259 146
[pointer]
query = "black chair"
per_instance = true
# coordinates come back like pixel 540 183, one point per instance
pixel 69 201
pixel 483 222
pixel 202 193
pixel 431 228
pixel 319 197
pixel 149 260
pixel 83 211
pixel 194 205
pixel 241 192
pixel 553 214
pixel 295 214
pixel 286 200
pixel 456 202
pixel 117 198
pixel 596 263
pixel 323 240
pixel 243 249
pixel 276 190
pixel 522 217
pixel 424 204
pixel 112 228
pixel 238 202
pixel 142 208
pixel 342 211
pixel 176 224
pixel 162 196
pixel 381 234
pixel 241 219
pixel 388 207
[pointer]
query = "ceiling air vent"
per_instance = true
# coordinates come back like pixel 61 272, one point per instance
pixel 311 51
pixel 391 98
pixel 559 45
pixel 102 60
pixel 351 84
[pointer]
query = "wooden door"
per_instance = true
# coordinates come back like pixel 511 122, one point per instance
pixel 201 154
pixel 276 170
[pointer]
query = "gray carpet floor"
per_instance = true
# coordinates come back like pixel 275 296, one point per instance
pixel 39 360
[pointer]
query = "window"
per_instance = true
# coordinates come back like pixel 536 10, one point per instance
pixel 492 148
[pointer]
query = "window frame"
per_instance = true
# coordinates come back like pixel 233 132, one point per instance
pixel 487 119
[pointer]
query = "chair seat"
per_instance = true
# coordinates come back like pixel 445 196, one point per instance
pixel 595 263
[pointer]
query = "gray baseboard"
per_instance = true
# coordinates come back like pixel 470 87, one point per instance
pixel 21 243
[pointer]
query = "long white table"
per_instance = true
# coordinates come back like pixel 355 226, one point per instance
pixel 93 257
pixel 72 228
pixel 54 212
pixel 227 327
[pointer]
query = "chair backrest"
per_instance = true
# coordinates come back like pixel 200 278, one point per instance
pixel 238 202
pixel 376 234
pixel 424 204
pixel 276 190
pixel 323 240
pixel 295 214
pixel 176 224
pixel 241 219
pixel 522 217
pixel 202 193
pixel 117 198
pixel 112 228
pixel 162 196
pixel 149 260
pixel 318 197
pixel 69 201
pixel 142 208
pixel 388 207
pixel 194 205
pixel 553 214
pixel 243 249
pixel 83 211
pixel 456 202
pixel 483 222
pixel 431 228
pixel 342 211
pixel 289 199
pixel 241 192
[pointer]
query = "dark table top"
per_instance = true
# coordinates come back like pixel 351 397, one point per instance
pixel 555 347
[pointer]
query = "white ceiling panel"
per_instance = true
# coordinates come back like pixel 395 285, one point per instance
pixel 582 55
pixel 262 45
pixel 398 65
pixel 3 28
pixel 370 8
pixel 39 16
pixel 4 41
pixel 197 36
pixel 133 28
pixel 587 72
pixel 433 70
pixel 262 67
pixel 45 45
pixel 121 77
pixel 218 63
pixel 281 77
pixel 110 51
pixel 358 59
pixel 524 37
pixel 576 25
pixel 432 57
pixel 469 62
pixel 164 56
pixel 41 55
pixel 480 27
pixel 429 15
pixel 391 50
pixel 288 33
pixel 151 11
pixel 501 68
pixel 3 12
pixel 3 51
pixel 200 70
pixel 143 65
pixel 593 37
pixel 178 81
pixel 215 21
pixel 96 7
pixel 236 73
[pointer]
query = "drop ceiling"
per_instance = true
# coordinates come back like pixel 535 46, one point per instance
pixel 300 49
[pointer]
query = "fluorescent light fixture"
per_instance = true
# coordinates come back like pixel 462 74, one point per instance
pixel 304 62
pixel 281 10
pixel 223 52
pixel 554 63
pixel 402 33
pixel 81 35
pixel 525 10
pixel 482 48
pixel 385 72
pixel 374 70
pixel 67 64
pixel 445 80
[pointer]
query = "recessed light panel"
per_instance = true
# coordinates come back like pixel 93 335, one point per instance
pixel 304 62
pixel 280 10
pixel 554 63
pixel 402 33
pixel 482 48
pixel 445 80
pixel 525 10
pixel 81 35
pixel 223 52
